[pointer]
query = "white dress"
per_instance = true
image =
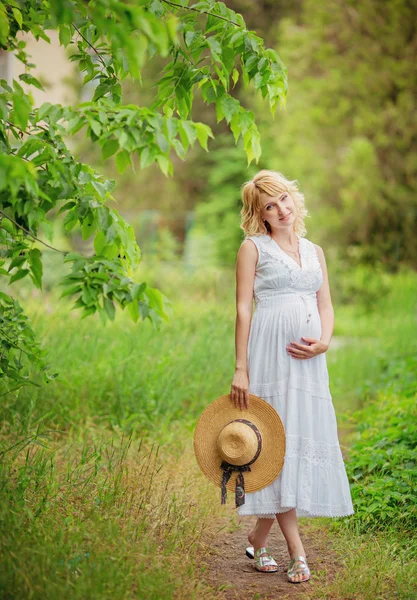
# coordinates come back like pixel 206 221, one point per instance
pixel 313 479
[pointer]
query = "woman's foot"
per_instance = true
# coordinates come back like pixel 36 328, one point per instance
pixel 258 543
pixel 298 569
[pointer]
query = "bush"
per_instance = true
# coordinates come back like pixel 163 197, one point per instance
pixel 382 459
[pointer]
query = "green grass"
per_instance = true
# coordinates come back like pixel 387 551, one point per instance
pixel 100 492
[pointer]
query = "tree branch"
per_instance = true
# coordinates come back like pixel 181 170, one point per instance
pixel 31 234
pixel 92 47
pixel 201 12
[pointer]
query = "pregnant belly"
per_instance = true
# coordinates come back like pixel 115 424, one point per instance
pixel 273 327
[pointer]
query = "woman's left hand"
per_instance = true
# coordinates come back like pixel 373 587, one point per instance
pixel 301 351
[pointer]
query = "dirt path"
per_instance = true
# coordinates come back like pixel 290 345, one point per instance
pixel 233 575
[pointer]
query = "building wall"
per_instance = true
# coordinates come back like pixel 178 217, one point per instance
pixel 53 69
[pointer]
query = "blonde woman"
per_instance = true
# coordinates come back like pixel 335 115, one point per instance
pixel 281 357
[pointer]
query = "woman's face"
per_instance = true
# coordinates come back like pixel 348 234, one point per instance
pixel 280 211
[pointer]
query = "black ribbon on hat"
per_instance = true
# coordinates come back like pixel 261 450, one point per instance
pixel 228 469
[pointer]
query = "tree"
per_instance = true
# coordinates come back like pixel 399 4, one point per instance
pixel 207 46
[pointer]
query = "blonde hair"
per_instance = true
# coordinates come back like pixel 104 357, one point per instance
pixel 271 183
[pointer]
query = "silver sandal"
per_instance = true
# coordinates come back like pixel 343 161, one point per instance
pixel 262 561
pixel 303 570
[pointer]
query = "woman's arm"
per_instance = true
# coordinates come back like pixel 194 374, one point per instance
pixel 245 275
pixel 324 302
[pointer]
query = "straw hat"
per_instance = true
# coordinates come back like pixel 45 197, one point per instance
pixel 229 441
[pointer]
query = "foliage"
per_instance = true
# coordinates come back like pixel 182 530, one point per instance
pixel 382 459
pixel 18 339
pixel 207 47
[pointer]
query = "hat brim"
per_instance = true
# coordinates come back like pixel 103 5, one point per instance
pixel 268 465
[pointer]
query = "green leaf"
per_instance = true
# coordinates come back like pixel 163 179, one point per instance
pixel 187 133
pixel 122 160
pixel 88 311
pixel 99 242
pixel 87 295
pixel 64 34
pixel 18 16
pixel 75 289
pixel 103 217
pixel 156 300
pixel 19 275
pixel 147 156
pixel 109 148
pixel 137 290
pixel 88 228
pixel 164 164
pixel 203 132
pixel 110 310
pixel 215 48
pixel 111 251
pixel 31 80
pixel 21 109
pixel 133 308
pixel 66 206
pixel 190 37
pixel 71 219
pixel 43 110
pixel 230 106
pixel 6 298
pixel 7 225
pixel 72 256
pixel 75 124
pixel 4 25
pixel 35 262
pixel 17 261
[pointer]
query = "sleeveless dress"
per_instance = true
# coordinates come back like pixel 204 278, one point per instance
pixel 313 479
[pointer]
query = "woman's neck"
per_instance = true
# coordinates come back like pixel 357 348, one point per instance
pixel 287 238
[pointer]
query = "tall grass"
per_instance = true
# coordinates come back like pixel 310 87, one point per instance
pixel 98 516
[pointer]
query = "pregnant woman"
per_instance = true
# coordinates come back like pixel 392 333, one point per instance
pixel 280 357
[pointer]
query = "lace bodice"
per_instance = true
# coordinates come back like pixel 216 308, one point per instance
pixel 277 273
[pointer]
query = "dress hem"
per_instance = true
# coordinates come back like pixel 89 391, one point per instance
pixel 270 510
pixel 300 513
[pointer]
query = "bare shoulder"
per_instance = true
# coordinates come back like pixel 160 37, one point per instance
pixel 248 250
pixel 247 243
pixel 320 252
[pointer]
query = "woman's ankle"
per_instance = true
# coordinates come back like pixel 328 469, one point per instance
pixel 295 550
pixel 296 553
pixel 257 541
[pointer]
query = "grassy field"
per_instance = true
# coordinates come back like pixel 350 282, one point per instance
pixel 101 494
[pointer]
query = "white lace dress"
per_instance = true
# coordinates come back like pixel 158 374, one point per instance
pixel 313 479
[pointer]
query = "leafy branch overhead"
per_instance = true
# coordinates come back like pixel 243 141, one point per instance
pixel 206 46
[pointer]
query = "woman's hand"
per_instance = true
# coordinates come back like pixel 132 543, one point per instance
pixel 239 391
pixel 301 351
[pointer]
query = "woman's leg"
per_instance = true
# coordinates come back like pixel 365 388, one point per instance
pixel 258 536
pixel 289 527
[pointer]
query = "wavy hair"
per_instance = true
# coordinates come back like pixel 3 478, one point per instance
pixel 273 184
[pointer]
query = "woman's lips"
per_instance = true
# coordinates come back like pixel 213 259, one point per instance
pixel 285 218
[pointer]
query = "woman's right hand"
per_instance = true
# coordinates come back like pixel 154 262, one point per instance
pixel 239 391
